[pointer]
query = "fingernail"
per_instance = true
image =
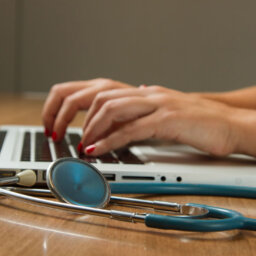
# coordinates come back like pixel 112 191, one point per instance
pixel 79 147
pixel 90 149
pixel 54 136
pixel 143 86
pixel 47 132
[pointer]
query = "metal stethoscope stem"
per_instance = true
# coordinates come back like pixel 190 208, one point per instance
pixel 132 217
pixel 113 214
pixel 168 207
pixel 9 180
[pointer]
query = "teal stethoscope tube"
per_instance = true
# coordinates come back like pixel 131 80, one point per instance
pixel 226 220
pixel 182 189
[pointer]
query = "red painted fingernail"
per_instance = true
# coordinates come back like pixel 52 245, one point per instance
pixel 143 86
pixel 80 147
pixel 90 149
pixel 54 136
pixel 47 132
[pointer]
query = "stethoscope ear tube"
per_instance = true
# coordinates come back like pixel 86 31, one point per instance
pixel 182 189
pixel 227 220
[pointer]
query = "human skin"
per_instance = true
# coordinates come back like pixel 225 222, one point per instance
pixel 243 98
pixel 119 113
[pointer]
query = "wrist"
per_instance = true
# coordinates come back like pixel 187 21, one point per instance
pixel 243 124
pixel 220 97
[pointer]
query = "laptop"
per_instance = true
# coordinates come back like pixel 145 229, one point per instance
pixel 151 161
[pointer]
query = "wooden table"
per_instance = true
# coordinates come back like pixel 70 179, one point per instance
pixel 32 230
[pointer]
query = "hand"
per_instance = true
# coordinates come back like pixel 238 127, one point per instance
pixel 118 117
pixel 64 100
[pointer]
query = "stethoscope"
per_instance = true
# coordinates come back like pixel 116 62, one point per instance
pixel 83 189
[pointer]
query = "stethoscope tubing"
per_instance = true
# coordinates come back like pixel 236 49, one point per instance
pixel 226 219
pixel 182 189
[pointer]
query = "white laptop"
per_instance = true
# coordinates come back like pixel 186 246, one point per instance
pixel 26 147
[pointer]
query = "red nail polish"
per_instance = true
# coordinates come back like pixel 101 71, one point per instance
pixel 90 149
pixel 80 147
pixel 47 132
pixel 54 136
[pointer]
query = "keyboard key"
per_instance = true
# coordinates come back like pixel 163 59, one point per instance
pixel 75 140
pixel 43 153
pixel 2 137
pixel 108 158
pixel 62 149
pixel 86 158
pixel 26 151
pixel 127 157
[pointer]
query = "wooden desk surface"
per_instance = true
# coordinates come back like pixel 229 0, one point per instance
pixel 33 230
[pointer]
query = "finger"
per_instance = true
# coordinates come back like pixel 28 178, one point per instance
pixel 71 105
pixel 60 92
pixel 137 130
pixel 105 96
pixel 81 99
pixel 117 110
pixel 54 101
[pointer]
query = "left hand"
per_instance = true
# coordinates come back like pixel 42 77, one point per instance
pixel 66 99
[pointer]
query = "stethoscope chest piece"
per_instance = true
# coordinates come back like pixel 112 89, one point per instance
pixel 77 182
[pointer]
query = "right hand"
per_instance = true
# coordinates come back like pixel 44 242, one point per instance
pixel 119 117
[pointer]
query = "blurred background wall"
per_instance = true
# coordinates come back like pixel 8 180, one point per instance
pixel 199 45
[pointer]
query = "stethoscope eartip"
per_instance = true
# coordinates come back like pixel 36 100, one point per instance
pixel 27 178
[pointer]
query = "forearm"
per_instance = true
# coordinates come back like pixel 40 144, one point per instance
pixel 243 98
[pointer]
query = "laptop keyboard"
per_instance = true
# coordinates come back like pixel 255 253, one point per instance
pixel 62 149
pixel 42 152
pixel 25 156
pixel 2 137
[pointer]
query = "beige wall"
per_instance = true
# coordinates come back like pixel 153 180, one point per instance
pixel 197 45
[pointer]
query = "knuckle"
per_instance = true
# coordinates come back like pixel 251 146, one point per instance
pixel 169 115
pixel 100 79
pixel 156 88
pixel 69 101
pixel 104 82
pixel 109 106
pixel 100 98
pixel 57 88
